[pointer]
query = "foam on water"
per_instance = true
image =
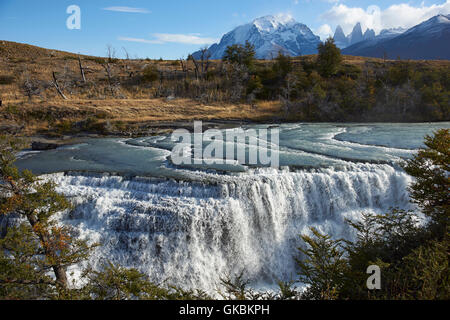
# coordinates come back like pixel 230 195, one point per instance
pixel 189 226
pixel 191 233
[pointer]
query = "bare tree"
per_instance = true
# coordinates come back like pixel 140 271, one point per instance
pixel 183 65
pixel 31 88
pixel 204 58
pixel 57 87
pixel 127 56
pixel 197 69
pixel 108 71
pixel 286 92
pixel 127 59
pixel 83 77
pixel 111 54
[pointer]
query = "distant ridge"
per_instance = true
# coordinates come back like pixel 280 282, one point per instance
pixel 429 40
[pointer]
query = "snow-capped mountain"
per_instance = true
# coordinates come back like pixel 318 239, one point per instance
pixel 391 33
pixel 270 35
pixel 356 36
pixel 428 40
pixel 385 34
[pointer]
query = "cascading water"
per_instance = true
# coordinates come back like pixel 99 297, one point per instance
pixel 190 226
pixel 190 234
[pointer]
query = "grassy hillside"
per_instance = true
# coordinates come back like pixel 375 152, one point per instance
pixel 125 96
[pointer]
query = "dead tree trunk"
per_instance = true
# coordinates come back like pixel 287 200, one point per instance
pixel 81 70
pixel 107 68
pixel 56 85
pixel 183 66
pixel 197 70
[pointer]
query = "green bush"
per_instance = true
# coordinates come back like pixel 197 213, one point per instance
pixel 350 71
pixel 150 74
pixel 283 65
pixel 243 55
pixel 400 73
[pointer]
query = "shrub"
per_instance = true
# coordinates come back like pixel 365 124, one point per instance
pixel 5 80
pixel 150 74
pixel 254 84
pixel 243 55
pixel 96 60
pixel 283 65
pixel 400 73
pixel 348 70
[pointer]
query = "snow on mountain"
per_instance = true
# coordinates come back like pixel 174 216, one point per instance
pixel 390 33
pixel 428 40
pixel 430 27
pixel 270 35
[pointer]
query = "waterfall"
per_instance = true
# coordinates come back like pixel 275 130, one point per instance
pixel 191 233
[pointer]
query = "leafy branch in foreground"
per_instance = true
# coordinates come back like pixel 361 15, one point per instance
pixel 431 169
pixel 324 266
pixel 38 244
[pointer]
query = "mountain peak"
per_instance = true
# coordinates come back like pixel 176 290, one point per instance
pixel 340 38
pixel 369 34
pixel 428 40
pixel 356 35
pixel 339 31
pixel 270 35
pixel 442 18
pixel 432 25
pixel 272 23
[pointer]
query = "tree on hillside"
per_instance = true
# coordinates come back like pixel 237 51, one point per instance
pixel 329 58
pixel 239 54
pixel 282 65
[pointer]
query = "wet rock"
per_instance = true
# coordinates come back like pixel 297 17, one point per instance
pixel 42 146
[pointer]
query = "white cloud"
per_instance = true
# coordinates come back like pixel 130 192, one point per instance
pixel 127 9
pixel 324 31
pixel 138 40
pixel 397 15
pixel 162 38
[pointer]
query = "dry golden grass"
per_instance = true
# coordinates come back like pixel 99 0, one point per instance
pixel 20 61
pixel 23 61
pixel 153 110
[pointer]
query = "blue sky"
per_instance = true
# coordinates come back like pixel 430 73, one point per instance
pixel 173 28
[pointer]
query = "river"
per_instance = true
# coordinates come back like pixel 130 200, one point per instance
pixel 190 225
